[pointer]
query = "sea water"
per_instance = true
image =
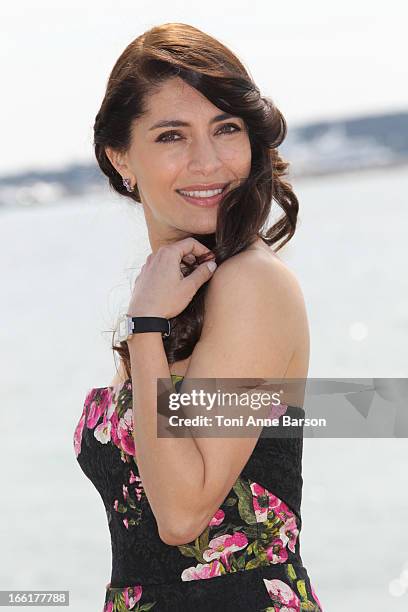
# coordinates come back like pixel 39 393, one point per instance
pixel 67 269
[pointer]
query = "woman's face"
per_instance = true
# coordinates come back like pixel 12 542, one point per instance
pixel 205 150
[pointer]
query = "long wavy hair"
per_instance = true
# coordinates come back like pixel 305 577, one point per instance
pixel 178 49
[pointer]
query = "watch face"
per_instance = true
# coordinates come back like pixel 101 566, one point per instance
pixel 123 328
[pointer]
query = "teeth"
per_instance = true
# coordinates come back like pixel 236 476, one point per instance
pixel 202 194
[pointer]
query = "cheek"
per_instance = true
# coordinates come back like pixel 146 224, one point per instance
pixel 238 157
pixel 159 171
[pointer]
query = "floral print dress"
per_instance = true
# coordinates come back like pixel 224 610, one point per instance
pixel 248 557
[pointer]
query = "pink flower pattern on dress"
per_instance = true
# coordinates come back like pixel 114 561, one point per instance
pixel 289 533
pixel 263 502
pixel 98 406
pixel 124 432
pixel 132 596
pixel 223 546
pixel 78 434
pixel 202 571
pixel 269 527
pixel 218 518
pixel 116 425
pixel 110 418
pixel 277 411
pixel 139 489
pixel 281 593
pixel 277 552
pixel 126 598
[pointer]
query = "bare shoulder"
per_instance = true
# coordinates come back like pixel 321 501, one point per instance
pixel 256 279
pixel 254 320
pixel 260 265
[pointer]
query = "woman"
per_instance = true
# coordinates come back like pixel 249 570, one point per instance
pixel 199 523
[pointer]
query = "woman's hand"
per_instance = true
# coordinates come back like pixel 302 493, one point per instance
pixel 161 290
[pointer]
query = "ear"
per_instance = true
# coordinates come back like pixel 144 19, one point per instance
pixel 119 161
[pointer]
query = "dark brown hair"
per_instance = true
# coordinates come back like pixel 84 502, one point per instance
pixel 181 50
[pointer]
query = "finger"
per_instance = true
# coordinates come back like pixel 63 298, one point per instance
pixel 201 274
pixel 190 258
pixel 190 245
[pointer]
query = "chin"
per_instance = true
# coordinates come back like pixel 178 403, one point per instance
pixel 204 226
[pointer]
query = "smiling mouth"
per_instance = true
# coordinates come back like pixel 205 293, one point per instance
pixel 205 200
pixel 188 193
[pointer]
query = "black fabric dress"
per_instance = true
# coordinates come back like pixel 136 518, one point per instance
pixel 247 559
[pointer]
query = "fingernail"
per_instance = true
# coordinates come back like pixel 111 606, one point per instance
pixel 211 265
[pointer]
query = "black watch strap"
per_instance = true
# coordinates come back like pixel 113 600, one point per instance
pixel 151 324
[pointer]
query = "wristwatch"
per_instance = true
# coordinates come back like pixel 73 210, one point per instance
pixel 127 326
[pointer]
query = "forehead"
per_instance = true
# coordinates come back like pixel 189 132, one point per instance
pixel 175 95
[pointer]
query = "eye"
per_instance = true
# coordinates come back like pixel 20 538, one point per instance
pixel 168 136
pixel 164 137
pixel 236 128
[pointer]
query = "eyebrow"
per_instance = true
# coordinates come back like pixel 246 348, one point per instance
pixel 180 123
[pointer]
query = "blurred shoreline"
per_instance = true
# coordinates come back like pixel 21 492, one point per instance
pixel 328 148
pixel 343 172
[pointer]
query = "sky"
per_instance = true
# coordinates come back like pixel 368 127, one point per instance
pixel 315 59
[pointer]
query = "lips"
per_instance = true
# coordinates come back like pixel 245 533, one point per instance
pixel 204 202
pixel 204 187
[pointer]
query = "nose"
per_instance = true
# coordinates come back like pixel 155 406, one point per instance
pixel 203 157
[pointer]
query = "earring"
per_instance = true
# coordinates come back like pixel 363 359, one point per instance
pixel 126 183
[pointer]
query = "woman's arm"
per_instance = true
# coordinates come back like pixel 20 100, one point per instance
pixel 250 330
